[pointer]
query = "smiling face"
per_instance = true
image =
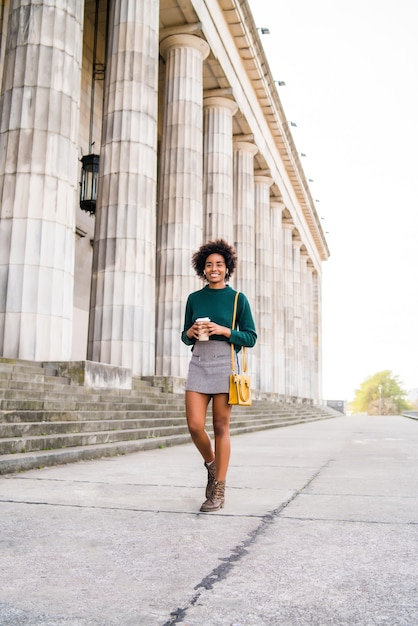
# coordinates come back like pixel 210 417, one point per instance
pixel 215 270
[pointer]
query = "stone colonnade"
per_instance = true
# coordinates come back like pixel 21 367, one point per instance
pixel 207 188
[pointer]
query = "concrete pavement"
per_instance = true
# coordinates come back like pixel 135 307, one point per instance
pixel 320 528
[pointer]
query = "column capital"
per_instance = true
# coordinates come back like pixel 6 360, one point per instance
pixel 219 102
pixel 245 146
pixel 276 204
pixel 184 41
pixel 263 180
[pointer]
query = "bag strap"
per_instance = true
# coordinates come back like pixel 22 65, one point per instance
pixel 235 310
pixel 244 359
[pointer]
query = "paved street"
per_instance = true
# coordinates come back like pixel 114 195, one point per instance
pixel 320 528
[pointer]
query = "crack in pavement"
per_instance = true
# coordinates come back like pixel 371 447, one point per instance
pixel 220 573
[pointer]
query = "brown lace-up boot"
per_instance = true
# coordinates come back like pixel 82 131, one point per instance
pixel 210 487
pixel 217 500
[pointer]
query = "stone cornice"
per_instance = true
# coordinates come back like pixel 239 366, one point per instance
pixel 245 34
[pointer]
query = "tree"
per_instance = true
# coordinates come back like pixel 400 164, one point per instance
pixel 380 394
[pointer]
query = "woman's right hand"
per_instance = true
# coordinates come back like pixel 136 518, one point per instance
pixel 193 331
pixel 196 329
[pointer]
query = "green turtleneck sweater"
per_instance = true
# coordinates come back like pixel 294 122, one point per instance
pixel 218 305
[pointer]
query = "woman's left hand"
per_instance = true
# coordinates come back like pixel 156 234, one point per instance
pixel 216 329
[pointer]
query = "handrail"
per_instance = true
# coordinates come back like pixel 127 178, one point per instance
pixel 412 414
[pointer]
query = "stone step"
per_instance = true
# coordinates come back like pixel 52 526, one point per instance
pixel 43 429
pixel 74 416
pixel 145 412
pixel 36 429
pixel 43 458
pixel 102 401
pixel 27 375
pixel 50 402
pixel 17 386
pixel 83 404
pixel 11 387
pixel 33 378
pixel 69 440
pixel 268 425
pixel 23 367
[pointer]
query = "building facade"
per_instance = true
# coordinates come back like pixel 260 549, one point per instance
pixel 176 102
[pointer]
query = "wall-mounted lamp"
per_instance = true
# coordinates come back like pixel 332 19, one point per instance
pixel 264 31
pixel 90 162
pixel 88 185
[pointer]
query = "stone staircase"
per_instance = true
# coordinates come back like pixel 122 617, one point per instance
pixel 46 419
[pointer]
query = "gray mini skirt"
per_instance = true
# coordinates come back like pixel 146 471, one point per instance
pixel 210 367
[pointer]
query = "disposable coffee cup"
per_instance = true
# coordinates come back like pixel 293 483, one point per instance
pixel 203 334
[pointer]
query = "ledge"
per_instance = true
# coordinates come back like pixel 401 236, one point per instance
pixel 92 374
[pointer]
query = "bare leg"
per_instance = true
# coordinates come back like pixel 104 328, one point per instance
pixel 221 416
pixel 196 407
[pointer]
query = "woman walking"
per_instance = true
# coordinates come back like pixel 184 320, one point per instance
pixel 207 327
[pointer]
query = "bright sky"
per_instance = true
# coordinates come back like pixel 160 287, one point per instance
pixel 351 73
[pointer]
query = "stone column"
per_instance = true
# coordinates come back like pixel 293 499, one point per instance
pixel 305 305
pixel 263 305
pixel 244 217
pixel 311 329
pixel 317 312
pixel 3 14
pixel 122 327
pixel 289 312
pixel 39 170
pixel 278 343
pixel 218 185
pixel 180 209
pixel 297 313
